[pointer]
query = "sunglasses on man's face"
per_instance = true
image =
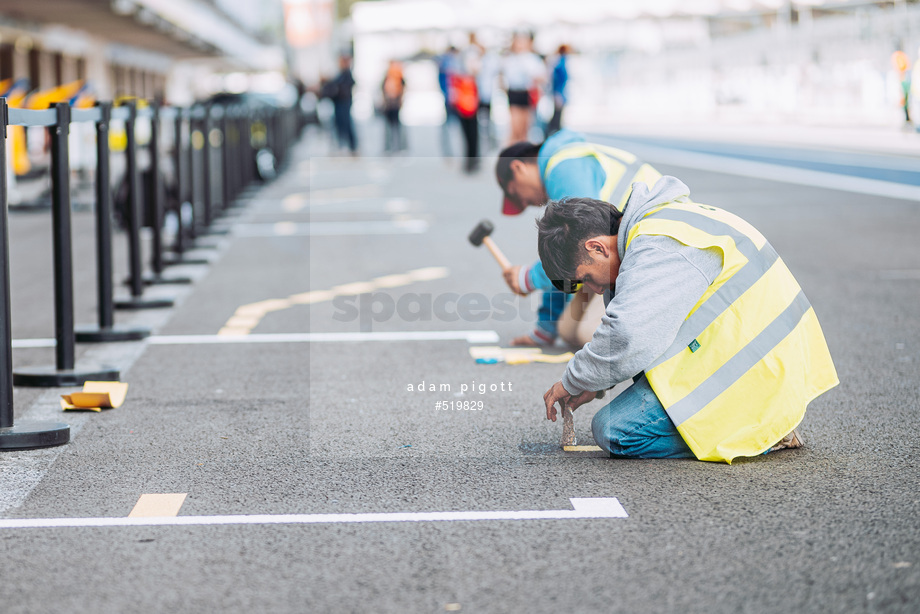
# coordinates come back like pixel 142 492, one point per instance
pixel 568 286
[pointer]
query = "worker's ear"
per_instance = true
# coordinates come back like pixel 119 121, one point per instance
pixel 598 247
pixel 516 167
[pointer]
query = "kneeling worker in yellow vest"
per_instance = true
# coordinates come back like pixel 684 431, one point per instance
pixel 724 349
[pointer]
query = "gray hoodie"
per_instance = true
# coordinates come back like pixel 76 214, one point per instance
pixel 659 282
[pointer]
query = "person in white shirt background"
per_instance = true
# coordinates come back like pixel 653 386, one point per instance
pixel 523 73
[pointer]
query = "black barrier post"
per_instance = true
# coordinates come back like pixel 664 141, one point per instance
pixel 249 152
pixel 179 245
pixel 234 136
pixel 231 177
pixel 27 434
pixel 156 206
pixel 225 144
pixel 136 301
pixel 211 136
pixel 106 331
pixel 63 373
pixel 195 143
pixel 206 169
pixel 235 157
pixel 156 201
pixel 245 156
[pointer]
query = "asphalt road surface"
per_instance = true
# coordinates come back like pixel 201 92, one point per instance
pixel 277 415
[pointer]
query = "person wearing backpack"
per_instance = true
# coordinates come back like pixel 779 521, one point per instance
pixel 464 100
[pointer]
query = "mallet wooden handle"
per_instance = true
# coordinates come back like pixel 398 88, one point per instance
pixel 497 253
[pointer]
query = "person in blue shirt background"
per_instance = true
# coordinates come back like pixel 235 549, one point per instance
pixel 560 79
pixel 564 165
pixel 447 63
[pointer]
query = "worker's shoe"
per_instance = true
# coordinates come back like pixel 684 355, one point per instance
pixel 534 340
pixel 790 441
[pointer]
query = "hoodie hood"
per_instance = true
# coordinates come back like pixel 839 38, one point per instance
pixel 643 199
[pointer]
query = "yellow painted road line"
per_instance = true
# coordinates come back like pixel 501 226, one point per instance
pixel 247 317
pixel 158 505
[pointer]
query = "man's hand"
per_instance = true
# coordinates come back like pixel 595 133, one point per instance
pixel 511 275
pixel 577 401
pixel 556 394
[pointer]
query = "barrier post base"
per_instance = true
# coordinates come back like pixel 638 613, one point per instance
pixel 181 261
pixel 135 304
pixel 202 246
pixel 159 280
pixel 96 334
pixel 214 232
pixel 27 435
pixel 52 377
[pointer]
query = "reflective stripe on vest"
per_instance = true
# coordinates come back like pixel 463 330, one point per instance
pixel 751 354
pixel 620 167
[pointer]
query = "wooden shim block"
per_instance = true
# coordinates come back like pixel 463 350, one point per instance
pixel 568 427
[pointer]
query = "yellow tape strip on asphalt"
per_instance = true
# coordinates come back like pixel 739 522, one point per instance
pixel 247 317
pixel 158 505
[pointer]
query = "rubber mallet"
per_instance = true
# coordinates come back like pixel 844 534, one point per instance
pixel 481 234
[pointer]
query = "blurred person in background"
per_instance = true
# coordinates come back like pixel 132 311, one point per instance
pixel 902 65
pixel 339 91
pixel 559 79
pixel 489 69
pixel 447 64
pixel 915 87
pixel 464 100
pixel 393 88
pixel 523 74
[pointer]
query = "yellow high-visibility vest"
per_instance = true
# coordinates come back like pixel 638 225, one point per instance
pixel 622 169
pixel 751 355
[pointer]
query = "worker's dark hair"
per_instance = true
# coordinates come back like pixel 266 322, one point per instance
pixel 565 226
pixel 522 150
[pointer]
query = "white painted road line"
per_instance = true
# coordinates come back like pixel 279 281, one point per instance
pixel 34 343
pixel 777 172
pixel 608 507
pixel 470 336
pixel 317 229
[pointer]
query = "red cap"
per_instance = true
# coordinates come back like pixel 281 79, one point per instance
pixel 510 207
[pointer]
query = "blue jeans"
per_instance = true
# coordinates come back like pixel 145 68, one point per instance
pixel 552 304
pixel 635 425
pixel 345 125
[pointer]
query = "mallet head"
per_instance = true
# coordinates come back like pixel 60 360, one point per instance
pixel 483 229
